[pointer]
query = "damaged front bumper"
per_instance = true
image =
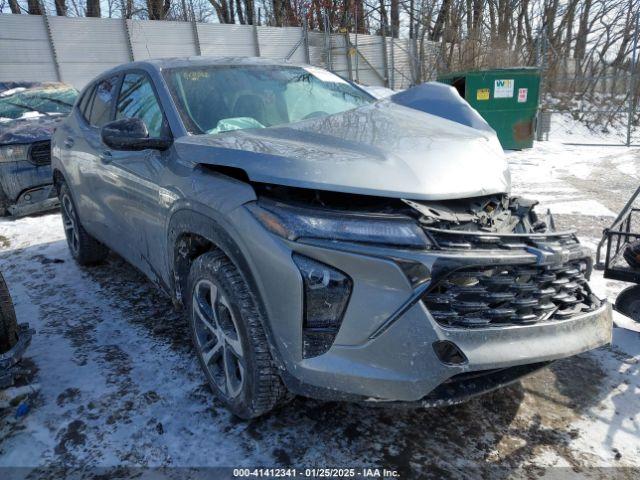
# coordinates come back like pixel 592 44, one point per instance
pixel 26 187
pixel 387 348
pixel 402 364
pixel 9 368
pixel 35 200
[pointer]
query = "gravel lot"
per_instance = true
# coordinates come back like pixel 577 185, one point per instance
pixel 114 383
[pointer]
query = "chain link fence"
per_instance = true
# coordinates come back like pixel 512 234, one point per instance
pixel 596 102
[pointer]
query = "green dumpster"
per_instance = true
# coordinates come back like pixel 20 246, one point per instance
pixel 507 99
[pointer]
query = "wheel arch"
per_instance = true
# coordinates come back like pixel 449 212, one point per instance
pixel 192 234
pixel 58 178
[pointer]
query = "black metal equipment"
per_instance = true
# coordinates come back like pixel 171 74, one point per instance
pixel 615 240
pixel 14 339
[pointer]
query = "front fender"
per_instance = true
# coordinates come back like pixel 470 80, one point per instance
pixel 212 226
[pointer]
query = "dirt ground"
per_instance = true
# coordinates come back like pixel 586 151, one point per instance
pixel 115 385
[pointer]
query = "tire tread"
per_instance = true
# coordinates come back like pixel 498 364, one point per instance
pixel 269 390
pixel 91 251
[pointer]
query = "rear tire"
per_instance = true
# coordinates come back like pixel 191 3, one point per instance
pixel 229 339
pixel 8 322
pixel 632 254
pixel 85 249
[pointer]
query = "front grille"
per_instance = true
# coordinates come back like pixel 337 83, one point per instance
pixel 463 240
pixel 40 153
pixel 511 295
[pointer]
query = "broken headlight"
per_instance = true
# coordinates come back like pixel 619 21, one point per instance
pixel 293 223
pixel 14 153
pixel 326 295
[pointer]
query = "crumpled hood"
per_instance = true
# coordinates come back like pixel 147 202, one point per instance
pixel 381 149
pixel 27 130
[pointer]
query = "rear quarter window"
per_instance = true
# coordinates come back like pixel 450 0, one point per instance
pixel 85 102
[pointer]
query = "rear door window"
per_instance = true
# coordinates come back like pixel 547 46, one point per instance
pixel 103 99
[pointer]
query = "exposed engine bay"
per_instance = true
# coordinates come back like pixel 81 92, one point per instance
pixel 490 214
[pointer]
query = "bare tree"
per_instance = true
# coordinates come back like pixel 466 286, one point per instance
pixel 443 13
pixel 93 8
pixel 14 6
pixel 158 9
pixel 249 8
pixel 395 18
pixel 223 10
pixel 61 7
pixel 34 7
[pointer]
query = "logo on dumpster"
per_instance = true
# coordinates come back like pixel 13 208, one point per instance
pixel 503 88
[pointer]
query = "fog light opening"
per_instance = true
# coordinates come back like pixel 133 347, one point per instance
pixel 449 353
pixel 326 295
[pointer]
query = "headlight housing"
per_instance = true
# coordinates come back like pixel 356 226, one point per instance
pixel 14 153
pixel 292 223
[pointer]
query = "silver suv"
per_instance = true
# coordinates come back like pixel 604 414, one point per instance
pixel 323 243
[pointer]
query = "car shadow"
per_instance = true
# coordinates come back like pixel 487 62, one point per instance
pixel 487 436
pixel 38 214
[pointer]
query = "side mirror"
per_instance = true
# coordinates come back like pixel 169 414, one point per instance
pixel 131 134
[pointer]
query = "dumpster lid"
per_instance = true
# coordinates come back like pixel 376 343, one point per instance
pixel 489 71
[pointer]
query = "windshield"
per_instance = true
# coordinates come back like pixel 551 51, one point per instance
pixel 40 100
pixel 216 99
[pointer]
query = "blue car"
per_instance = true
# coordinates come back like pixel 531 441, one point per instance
pixel 29 113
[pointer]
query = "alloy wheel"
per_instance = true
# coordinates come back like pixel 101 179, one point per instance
pixel 69 223
pixel 217 338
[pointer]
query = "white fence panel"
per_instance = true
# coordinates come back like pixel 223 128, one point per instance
pixel 227 40
pixel 86 47
pixel 368 63
pixel 401 75
pixel 278 42
pixel 339 63
pixel 317 54
pixel 161 39
pixel 25 51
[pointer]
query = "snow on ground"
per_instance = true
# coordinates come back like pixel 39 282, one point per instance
pixel 566 128
pixel 554 177
pixel 119 385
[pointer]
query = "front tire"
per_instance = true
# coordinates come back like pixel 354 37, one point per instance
pixel 229 338
pixel 85 249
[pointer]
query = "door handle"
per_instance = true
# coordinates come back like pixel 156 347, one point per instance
pixel 106 156
pixel 68 142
